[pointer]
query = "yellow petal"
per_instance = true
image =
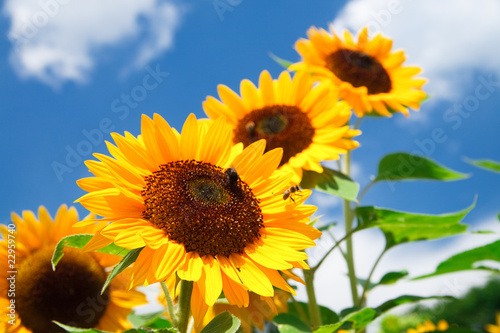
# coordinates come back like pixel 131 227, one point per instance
pixel 192 268
pixel 217 142
pixel 97 242
pixel 267 259
pixel 236 293
pixel 210 283
pixel 167 259
pixel 232 100
pixel 252 276
pixel 189 139
pixel 198 306
pixel 267 88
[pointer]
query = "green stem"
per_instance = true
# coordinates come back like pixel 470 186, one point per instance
pixel 349 218
pixel 357 123
pixel 337 243
pixel 184 310
pixel 314 312
pixel 363 192
pixel 366 286
pixel 170 303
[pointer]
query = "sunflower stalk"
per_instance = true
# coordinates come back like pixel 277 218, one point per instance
pixel 349 219
pixel 314 312
pixel 184 308
pixel 170 303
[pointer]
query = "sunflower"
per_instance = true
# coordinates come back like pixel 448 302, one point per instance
pixel 370 77
pixel 202 209
pixel 306 120
pixel 71 294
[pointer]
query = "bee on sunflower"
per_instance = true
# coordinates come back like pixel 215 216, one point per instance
pixel 171 195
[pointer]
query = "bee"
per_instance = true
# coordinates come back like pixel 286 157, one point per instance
pixel 291 192
pixel 250 127
pixel 232 176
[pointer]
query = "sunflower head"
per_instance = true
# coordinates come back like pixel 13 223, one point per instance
pixel 203 209
pixel 307 121
pixel 370 76
pixel 72 293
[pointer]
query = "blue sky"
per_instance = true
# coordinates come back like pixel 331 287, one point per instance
pixel 72 72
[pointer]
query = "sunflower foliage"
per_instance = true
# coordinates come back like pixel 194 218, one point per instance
pixel 216 213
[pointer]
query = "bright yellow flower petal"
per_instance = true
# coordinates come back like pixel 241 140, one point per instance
pixel 289 113
pixel 370 77
pixel 200 204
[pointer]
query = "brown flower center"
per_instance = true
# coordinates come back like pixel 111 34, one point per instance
pixel 208 210
pixel 71 294
pixel 359 69
pixel 282 126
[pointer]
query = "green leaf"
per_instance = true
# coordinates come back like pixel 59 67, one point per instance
pixel 282 62
pixel 154 320
pixel 362 282
pixel 390 304
pixel 468 260
pixel 403 166
pixel 332 182
pixel 128 260
pixel 347 311
pixel 223 323
pixel 79 241
pixel 482 232
pixel 362 317
pixel 327 315
pixel 401 227
pixel 485 164
pixel 151 330
pixel 393 277
pixel 159 322
pixel 72 329
pixel 326 227
pixel 359 319
pixel 289 323
pixel 389 278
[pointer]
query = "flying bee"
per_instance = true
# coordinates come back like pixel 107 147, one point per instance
pixel 250 127
pixel 232 176
pixel 291 193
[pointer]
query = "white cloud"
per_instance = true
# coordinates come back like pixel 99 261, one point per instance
pixel 58 40
pixel 447 38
